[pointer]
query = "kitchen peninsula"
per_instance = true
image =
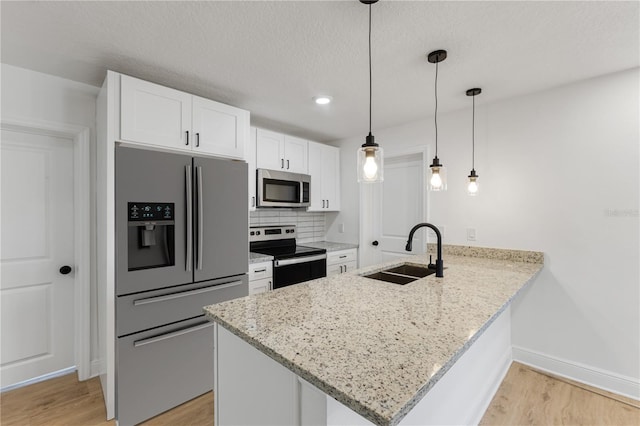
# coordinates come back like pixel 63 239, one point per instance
pixel 351 350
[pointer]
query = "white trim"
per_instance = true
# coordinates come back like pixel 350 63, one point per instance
pixel 592 376
pixel 38 379
pixel 97 367
pixel 82 227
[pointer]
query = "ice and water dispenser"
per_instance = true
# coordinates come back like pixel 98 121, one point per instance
pixel 151 235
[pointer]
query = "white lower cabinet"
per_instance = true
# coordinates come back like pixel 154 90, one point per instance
pixel 260 277
pixel 339 262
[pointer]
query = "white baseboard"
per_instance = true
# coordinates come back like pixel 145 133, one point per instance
pixel 592 376
pixel 96 368
pixel 38 379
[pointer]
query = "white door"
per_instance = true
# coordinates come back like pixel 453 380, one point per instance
pixel 391 209
pixel 37 301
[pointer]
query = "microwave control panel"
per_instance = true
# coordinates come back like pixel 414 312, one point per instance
pixel 146 212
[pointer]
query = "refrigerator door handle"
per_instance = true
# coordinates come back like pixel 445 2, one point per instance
pixel 199 262
pixel 188 180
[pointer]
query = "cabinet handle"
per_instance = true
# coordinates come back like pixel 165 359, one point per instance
pixel 197 139
pixel 270 286
pixel 187 138
pixel 261 270
pixel 323 203
pixel 345 268
pixel 282 163
pixel 287 164
pixel 340 268
pixel 253 201
pixel 327 203
pixel 343 256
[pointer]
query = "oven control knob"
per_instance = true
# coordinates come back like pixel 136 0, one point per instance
pixel 257 232
pixel 253 233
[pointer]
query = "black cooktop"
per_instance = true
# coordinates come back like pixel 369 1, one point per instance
pixel 287 251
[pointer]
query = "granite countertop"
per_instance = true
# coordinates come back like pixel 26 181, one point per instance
pixel 330 246
pixel 374 346
pixel 259 257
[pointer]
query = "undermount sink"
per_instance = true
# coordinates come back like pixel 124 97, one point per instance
pixel 402 274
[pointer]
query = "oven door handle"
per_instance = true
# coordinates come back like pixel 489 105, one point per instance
pixel 294 261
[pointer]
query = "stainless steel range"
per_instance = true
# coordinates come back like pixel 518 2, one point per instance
pixel 292 263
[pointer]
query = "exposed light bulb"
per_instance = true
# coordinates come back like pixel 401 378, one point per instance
pixel 370 168
pixel 436 180
pixel 322 100
pixel 472 188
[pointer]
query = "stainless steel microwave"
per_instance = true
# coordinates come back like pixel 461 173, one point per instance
pixel 282 189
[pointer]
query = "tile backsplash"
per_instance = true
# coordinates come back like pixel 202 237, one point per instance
pixel 310 226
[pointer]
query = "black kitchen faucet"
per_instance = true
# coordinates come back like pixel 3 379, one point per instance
pixel 439 264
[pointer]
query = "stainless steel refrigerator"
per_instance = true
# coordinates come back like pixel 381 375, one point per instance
pixel 181 244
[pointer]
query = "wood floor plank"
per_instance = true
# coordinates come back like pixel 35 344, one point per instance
pixel 528 397
pixel 525 397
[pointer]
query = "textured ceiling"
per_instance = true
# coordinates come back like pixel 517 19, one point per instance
pixel 272 57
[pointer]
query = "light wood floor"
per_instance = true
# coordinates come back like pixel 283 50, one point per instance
pixel 525 397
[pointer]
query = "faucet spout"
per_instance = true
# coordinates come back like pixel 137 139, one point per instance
pixel 439 262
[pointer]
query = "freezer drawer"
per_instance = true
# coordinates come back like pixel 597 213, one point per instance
pixel 146 310
pixel 162 368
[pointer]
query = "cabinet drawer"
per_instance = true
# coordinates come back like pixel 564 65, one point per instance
pixel 161 368
pixel 259 271
pixel 142 311
pixel 341 257
pixel 259 286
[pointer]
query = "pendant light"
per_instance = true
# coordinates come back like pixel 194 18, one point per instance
pixel 370 166
pixel 472 186
pixel 438 180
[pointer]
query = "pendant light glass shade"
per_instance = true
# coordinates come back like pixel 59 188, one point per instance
pixel 438 177
pixel 472 185
pixel 370 162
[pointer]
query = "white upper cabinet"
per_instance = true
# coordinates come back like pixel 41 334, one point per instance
pixel 324 168
pixel 295 155
pixel 159 116
pixel 218 128
pixel 276 151
pixel 154 114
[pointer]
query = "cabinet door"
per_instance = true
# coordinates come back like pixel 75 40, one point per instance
pixel 154 115
pixel 295 155
pixel 218 128
pixel 331 177
pixel 315 170
pixel 250 155
pixel 259 286
pixel 269 150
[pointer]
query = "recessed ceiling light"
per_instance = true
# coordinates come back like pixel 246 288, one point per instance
pixel 322 100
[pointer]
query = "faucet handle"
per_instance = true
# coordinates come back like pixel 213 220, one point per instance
pixel 431 265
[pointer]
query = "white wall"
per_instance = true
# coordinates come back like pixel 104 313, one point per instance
pixel 30 95
pixel 559 173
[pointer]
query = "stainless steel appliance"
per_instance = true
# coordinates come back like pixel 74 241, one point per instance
pixel 181 244
pixel 292 263
pixel 282 189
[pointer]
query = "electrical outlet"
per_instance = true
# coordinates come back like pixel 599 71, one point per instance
pixel 341 228
pixel 471 234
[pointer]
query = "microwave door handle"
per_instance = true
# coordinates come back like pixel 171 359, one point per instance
pixel 188 180
pixel 199 263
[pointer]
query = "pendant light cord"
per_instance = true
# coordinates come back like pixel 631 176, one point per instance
pixel 370 78
pixel 473 135
pixel 435 117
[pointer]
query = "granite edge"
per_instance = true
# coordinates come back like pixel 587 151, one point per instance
pixel 524 256
pixel 331 246
pixel 396 418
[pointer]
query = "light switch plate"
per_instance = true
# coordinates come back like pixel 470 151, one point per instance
pixel 471 234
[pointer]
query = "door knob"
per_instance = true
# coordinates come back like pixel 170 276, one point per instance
pixel 64 270
pixel 375 243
